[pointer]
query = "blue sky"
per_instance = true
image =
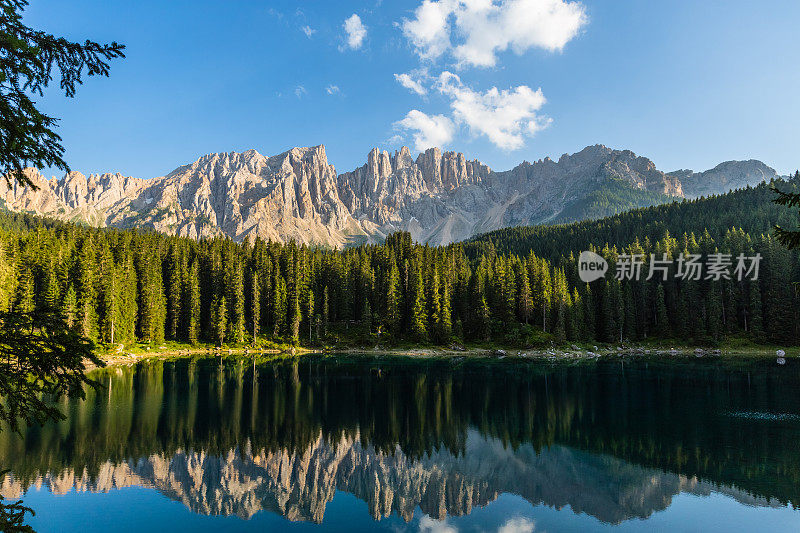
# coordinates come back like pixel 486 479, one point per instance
pixel 686 83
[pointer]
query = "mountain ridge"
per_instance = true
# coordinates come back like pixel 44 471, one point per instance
pixel 439 197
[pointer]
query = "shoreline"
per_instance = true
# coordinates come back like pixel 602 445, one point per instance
pixel 573 353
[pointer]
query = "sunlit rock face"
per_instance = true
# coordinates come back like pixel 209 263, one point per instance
pixel 440 197
pixel 299 485
pixel 723 177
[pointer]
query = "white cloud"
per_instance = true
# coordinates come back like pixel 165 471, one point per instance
pixel 355 32
pixel 504 116
pixel 485 27
pixel 428 130
pixel 308 30
pixel 300 91
pixel 413 85
pixel 429 30
pixel 517 525
pixel 332 89
pixel 429 525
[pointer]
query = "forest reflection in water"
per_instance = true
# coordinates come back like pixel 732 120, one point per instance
pixel 613 439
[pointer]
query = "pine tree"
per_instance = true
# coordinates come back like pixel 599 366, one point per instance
pixel 69 306
pixel 481 316
pixel 662 320
pixel 173 290
pixel 293 313
pixel 509 293
pixel 576 322
pixel 152 304
pixel 108 296
pixel 325 310
pixel 255 304
pixel 393 298
pixel 7 278
pixel 50 294
pixel 279 306
pixel 192 298
pixel 85 289
pixel 714 310
pixel 788 237
pixel 219 319
pixel 613 304
pixel 127 308
pixel 560 327
pixel 309 310
pixel 445 326
pixel 524 302
pixel 26 291
pixel 434 304
pixel 419 318
pixel 235 302
pixel 589 322
pixel 629 312
pixel 756 325
pixel 542 293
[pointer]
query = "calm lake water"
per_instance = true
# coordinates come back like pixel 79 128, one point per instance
pixel 349 444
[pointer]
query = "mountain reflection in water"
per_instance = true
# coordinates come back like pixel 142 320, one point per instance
pixel 612 440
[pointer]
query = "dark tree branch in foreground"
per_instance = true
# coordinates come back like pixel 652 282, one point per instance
pixel 27 61
pixel 12 515
pixel 41 358
pixel 789 238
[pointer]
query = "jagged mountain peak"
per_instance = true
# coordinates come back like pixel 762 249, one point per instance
pixel 439 196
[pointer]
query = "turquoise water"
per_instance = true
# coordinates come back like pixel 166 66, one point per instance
pixel 359 444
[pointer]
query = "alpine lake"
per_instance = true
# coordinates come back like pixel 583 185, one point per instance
pixel 363 443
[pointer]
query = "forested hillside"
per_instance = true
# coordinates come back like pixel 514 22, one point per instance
pixel 516 287
pixel 612 196
pixel 750 209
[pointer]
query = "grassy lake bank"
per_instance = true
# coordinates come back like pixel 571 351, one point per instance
pixel 732 350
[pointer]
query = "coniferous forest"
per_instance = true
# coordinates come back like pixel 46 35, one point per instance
pixel 516 287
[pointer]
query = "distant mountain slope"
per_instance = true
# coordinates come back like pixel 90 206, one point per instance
pixel 439 197
pixel 724 177
pixel 750 209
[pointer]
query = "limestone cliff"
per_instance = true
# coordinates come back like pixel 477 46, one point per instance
pixel 440 197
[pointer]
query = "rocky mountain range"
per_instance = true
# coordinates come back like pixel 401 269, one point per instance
pixel 298 485
pixel 723 177
pixel 439 197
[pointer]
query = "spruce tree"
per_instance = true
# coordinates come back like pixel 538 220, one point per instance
pixel 756 324
pixel 789 237
pixel 193 300
pixel 255 304
pixel 127 308
pixel 235 302
pixel 325 310
pixel 26 291
pixel 662 320
pixel 51 293
pixel 279 306
pixel 173 291
pixel 8 278
pixel 419 318
pixel 69 306
pixel 393 298
pixel 445 326
pixel 524 302
pixel 108 296
pixel 220 319
pixel 85 289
